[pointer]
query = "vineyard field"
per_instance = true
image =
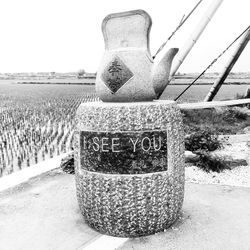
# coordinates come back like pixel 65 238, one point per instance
pixel 37 122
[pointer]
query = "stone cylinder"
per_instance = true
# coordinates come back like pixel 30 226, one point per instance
pixel 129 165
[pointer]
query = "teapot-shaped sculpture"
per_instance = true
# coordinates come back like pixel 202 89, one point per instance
pixel 127 72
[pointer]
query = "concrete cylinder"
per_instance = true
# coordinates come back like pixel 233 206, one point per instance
pixel 129 165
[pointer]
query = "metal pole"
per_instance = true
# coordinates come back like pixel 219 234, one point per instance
pixel 195 36
pixel 233 59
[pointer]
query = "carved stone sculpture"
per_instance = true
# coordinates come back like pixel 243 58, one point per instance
pixel 127 71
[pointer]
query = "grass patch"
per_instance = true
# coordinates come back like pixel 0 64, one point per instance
pixel 217 121
pixel 202 140
pixel 67 164
pixel 202 143
pixel 209 163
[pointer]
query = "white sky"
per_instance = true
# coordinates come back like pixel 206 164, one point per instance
pixel 65 35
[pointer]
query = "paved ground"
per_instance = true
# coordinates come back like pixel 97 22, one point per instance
pixel 43 214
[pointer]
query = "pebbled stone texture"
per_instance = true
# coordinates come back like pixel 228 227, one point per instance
pixel 121 204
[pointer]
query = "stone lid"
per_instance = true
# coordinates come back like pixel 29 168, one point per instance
pixel 127 29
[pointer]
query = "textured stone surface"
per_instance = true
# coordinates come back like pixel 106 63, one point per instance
pixel 140 116
pixel 135 204
pixel 130 205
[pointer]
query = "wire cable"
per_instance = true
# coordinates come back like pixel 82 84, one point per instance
pixel 183 20
pixel 210 65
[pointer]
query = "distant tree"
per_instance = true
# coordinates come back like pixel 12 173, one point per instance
pixel 81 73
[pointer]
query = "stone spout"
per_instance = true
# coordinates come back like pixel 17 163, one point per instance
pixel 161 71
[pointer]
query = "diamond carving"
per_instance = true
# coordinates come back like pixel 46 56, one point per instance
pixel 116 74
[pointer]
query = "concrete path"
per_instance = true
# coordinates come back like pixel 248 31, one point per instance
pixel 43 214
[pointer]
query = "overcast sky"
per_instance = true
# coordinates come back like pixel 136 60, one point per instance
pixel 65 35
